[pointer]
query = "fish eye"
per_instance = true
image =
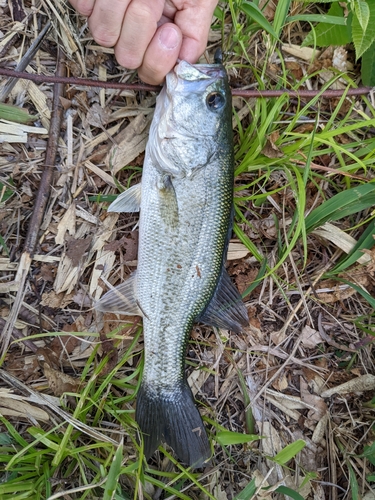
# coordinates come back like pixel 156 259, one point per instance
pixel 215 101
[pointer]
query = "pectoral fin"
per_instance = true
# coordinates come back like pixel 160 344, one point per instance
pixel 128 201
pixel 121 300
pixel 168 202
pixel 226 309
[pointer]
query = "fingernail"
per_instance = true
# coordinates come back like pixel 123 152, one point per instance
pixel 169 37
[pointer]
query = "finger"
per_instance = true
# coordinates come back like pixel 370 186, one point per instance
pixel 195 24
pixel 161 55
pixel 106 20
pixel 84 7
pixel 138 29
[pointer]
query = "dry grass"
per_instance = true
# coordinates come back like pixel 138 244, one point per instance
pixel 303 367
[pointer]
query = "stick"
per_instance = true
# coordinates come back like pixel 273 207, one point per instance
pixel 39 209
pixel 332 94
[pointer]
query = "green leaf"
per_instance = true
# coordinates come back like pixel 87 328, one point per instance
pixel 362 12
pixel 362 39
pixel 5 439
pixel 289 492
pixel 219 13
pixel 368 66
pixel 226 438
pixel 330 34
pixel 15 114
pixel 5 191
pixel 341 205
pixel 4 245
pixel 248 492
pixel 368 452
pixel 289 452
pixel 257 15
pixel 318 18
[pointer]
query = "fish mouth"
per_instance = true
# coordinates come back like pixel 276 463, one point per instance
pixel 202 75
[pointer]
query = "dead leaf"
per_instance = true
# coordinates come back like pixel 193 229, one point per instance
pixel 319 405
pixel 60 382
pixel 270 149
pixel 280 383
pixel 56 300
pixel 47 272
pixel 97 116
pixel 16 406
pixel 76 249
pixel 310 337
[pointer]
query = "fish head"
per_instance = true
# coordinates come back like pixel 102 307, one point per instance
pixel 192 121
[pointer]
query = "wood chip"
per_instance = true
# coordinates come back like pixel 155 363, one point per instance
pixel 105 259
pixel 66 224
pixel 100 173
pixel 133 143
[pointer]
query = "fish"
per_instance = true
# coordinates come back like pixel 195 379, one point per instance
pixel 185 200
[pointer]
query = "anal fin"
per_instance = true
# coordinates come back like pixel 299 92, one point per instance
pixel 128 201
pixel 226 309
pixel 121 299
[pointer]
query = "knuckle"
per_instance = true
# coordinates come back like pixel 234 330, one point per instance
pixel 104 37
pixel 128 60
pixel 141 12
pixel 85 7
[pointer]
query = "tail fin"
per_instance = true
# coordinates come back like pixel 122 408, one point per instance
pixel 170 415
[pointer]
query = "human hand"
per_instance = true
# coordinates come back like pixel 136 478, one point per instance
pixel 150 35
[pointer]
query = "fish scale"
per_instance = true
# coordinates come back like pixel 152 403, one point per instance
pixel 186 207
pixel 173 297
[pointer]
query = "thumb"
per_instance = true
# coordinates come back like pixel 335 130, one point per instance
pixel 161 54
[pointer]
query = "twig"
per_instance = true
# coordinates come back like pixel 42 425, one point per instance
pixel 49 167
pixel 16 333
pixel 39 209
pixel 25 61
pixel 155 88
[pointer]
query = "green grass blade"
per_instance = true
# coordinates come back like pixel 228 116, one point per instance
pixel 258 279
pixel 289 492
pixel 281 14
pixel 317 18
pixel 289 452
pixel 341 205
pixel 113 474
pixel 353 483
pixel 248 492
pixel 370 299
pixel 257 15
pixel 226 438
pixel 366 241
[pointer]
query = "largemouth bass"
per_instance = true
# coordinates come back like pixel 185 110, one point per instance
pixel 186 208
